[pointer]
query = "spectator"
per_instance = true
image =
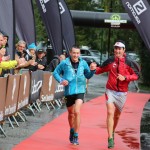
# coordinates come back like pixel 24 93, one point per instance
pixel 31 57
pixel 26 57
pixel 5 41
pixel 41 59
pixel 31 52
pixel 5 63
pixel 53 64
pixel 65 53
pixel 20 50
pixel 3 55
pixel 21 54
pixel 62 57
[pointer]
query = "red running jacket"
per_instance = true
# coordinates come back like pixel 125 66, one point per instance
pixel 123 66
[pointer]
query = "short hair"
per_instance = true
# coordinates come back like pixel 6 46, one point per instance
pixel 75 46
pixel 21 42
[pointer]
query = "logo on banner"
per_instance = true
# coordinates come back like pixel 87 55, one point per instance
pixel 25 84
pixel 50 83
pixel 60 88
pixel 137 9
pixel 61 7
pixel 13 89
pixel 36 86
pixel 43 2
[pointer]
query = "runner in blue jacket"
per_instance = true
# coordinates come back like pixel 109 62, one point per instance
pixel 72 73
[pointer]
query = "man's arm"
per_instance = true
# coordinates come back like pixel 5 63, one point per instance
pixel 89 72
pixel 57 72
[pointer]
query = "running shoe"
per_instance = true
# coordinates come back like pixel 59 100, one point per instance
pixel 75 140
pixel 71 137
pixel 110 143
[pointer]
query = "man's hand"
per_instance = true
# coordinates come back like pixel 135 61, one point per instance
pixel 20 63
pixel 64 83
pixel 93 66
pixel 40 66
pixel 32 62
pixel 6 58
pixel 121 77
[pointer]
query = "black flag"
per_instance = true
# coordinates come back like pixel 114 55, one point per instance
pixel 24 17
pixel 67 26
pixel 139 12
pixel 7 24
pixel 49 11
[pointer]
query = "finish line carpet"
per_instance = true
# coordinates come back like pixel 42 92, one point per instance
pixel 93 133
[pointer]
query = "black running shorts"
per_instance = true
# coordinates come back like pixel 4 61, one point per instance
pixel 70 99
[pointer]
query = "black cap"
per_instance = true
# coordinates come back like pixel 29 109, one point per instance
pixel 40 50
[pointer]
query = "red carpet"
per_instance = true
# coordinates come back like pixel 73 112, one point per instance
pixel 93 133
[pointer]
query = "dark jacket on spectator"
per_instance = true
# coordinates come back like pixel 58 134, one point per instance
pixel 53 64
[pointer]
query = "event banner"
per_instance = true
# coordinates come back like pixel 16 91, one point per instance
pixel 7 24
pixel 139 12
pixel 36 84
pixel 48 87
pixel 3 81
pixel 50 15
pixel 67 25
pixel 24 90
pixel 12 94
pixel 24 18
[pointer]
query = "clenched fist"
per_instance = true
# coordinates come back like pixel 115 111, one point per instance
pixel 93 66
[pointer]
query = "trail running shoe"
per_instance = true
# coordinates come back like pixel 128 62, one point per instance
pixel 110 143
pixel 75 140
pixel 71 137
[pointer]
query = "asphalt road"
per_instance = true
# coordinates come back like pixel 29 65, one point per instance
pixel 96 87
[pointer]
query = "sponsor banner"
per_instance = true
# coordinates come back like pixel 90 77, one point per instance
pixel 12 94
pixel 48 87
pixel 7 24
pixel 36 84
pixel 24 18
pixel 67 25
pixel 24 90
pixel 50 15
pixel 3 81
pixel 139 11
pixel 59 91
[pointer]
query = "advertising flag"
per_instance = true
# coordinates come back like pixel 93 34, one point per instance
pixel 7 24
pixel 50 14
pixel 67 26
pixel 139 12
pixel 24 18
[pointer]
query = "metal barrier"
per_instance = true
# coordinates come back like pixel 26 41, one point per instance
pixel 27 91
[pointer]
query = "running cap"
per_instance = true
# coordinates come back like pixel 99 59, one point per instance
pixel 119 44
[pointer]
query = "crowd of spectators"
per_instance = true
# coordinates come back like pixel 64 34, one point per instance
pixel 27 57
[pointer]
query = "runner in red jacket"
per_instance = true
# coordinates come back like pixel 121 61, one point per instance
pixel 121 70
